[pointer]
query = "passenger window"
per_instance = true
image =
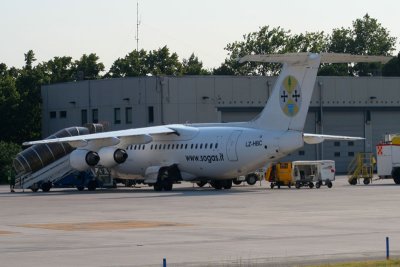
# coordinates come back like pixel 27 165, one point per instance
pixel 134 147
pixel 201 146
pixel 191 146
pixel 211 146
pixel 181 146
pixel 164 146
pixel 195 146
pixel 169 145
pixel 172 147
pixel 151 147
pixel 206 146
pixel 216 145
pixel 186 146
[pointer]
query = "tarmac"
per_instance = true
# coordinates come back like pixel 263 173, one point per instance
pixel 192 226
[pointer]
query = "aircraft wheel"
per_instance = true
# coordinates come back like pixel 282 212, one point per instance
pixel 227 184
pixel 318 184
pixel 216 185
pixel 236 182
pixel 251 179
pixel 158 187
pixel 167 186
pixel 329 184
pixel 129 183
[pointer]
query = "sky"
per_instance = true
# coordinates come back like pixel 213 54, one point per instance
pixel 108 27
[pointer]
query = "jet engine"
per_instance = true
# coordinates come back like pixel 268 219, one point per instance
pixel 110 156
pixel 81 159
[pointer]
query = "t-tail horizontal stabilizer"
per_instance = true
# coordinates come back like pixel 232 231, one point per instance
pixel 288 104
pixel 298 58
pixel 319 138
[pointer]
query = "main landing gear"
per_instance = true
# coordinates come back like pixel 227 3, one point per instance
pixel 221 184
pixel 166 178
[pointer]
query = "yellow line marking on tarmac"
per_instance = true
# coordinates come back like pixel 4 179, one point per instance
pixel 108 225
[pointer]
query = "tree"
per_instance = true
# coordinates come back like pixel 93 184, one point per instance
pixel 88 67
pixel 27 120
pixel 59 69
pixel 9 104
pixel 269 41
pixel 224 69
pixel 193 66
pixel 134 64
pixel 29 59
pixel 392 68
pixel 366 37
pixel 315 42
pixel 8 151
pixel 162 62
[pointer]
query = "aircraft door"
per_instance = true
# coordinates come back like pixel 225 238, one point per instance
pixel 231 145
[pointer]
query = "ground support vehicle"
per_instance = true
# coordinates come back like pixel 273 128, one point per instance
pixel 388 158
pixel 280 174
pixel 302 173
pixel 361 167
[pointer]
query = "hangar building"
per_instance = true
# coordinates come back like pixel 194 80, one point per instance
pixel 357 106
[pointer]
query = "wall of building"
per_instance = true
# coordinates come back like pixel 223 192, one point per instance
pixel 362 106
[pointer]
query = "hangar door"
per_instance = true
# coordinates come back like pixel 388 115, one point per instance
pixel 383 122
pixel 350 123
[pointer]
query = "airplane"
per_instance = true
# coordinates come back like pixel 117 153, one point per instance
pixel 216 152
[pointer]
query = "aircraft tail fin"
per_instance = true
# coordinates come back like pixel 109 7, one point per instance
pixel 288 104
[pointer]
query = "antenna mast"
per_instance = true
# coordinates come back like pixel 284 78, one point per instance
pixel 137 27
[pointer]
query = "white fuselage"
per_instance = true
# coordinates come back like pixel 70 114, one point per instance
pixel 215 152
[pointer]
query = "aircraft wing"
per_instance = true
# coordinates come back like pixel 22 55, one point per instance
pixel 120 138
pixel 319 138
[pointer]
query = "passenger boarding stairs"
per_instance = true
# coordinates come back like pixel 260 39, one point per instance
pixel 361 167
pixel 42 165
pixel 52 173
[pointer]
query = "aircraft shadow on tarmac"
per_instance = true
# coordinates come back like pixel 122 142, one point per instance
pixel 137 192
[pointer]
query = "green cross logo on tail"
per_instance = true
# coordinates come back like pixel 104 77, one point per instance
pixel 290 96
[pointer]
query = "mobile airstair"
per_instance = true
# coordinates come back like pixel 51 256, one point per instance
pixel 42 165
pixel 361 167
pixel 46 176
